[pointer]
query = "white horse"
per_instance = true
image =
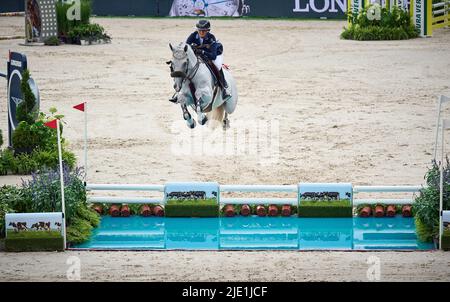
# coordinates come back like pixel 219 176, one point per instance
pixel 196 88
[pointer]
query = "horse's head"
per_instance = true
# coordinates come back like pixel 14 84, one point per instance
pixel 179 65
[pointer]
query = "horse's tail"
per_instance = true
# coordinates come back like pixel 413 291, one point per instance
pixel 215 117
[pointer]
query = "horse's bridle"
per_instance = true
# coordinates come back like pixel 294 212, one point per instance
pixel 185 75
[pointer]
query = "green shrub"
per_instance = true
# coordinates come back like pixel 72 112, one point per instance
pixel 42 194
pixel 65 25
pixel 34 241
pixel 325 208
pixel 52 41
pixel 24 138
pixel 25 164
pixel 424 232
pixel 27 110
pixel 48 159
pixel 426 205
pixel 446 240
pixel 7 162
pixel 393 24
pixel 45 191
pixel 79 231
pixel 34 136
pixel 5 208
pixel 87 215
pixel 90 32
pixel 192 208
pixel 16 198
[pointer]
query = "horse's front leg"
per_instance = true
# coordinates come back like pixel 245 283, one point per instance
pixel 203 99
pixel 187 116
pixel 184 108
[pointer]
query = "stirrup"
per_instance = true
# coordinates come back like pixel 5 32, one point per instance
pixel 174 99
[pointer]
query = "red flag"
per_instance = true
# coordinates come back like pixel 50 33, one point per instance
pixel 51 124
pixel 79 107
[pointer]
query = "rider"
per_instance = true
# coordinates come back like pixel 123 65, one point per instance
pixel 205 45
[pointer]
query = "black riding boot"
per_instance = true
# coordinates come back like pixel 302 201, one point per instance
pixel 174 98
pixel 224 84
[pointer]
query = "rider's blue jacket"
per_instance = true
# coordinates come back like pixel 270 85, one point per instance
pixel 212 48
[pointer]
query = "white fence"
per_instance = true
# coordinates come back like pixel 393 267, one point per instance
pixel 247 189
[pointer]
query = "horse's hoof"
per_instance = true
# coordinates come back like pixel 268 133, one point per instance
pixel 191 123
pixel 202 119
pixel 226 124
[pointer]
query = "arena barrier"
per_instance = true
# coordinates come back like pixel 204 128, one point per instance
pixel 16 65
pixel 439 14
pixel 348 192
pixel 426 15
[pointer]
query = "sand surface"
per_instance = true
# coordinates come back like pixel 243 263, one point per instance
pixel 342 111
pixel 227 266
pixel 360 112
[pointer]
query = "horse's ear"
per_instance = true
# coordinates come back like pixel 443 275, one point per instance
pixel 185 48
pixel 170 45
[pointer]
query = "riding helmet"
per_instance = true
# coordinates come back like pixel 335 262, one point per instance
pixel 203 25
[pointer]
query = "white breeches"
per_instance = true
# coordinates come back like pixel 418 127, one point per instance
pixel 218 62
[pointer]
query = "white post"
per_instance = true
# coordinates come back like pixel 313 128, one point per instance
pixel 63 203
pixel 445 125
pixel 85 143
pixel 442 99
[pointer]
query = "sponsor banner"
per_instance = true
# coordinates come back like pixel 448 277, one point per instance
pixel 16 66
pixel 223 8
pixel 419 16
pixel 260 8
pixel 26 222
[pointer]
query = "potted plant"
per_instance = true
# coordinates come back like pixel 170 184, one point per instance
pixel 261 211
pixel 158 211
pixel 114 210
pixel 228 210
pixel 98 207
pixel 407 210
pixel 146 210
pixel 365 211
pixel 125 211
pixel 245 210
pixel 286 210
pixel 273 210
pixel 391 210
pixel 379 210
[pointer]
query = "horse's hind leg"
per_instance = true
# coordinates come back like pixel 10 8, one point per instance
pixel 187 116
pixel 226 122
